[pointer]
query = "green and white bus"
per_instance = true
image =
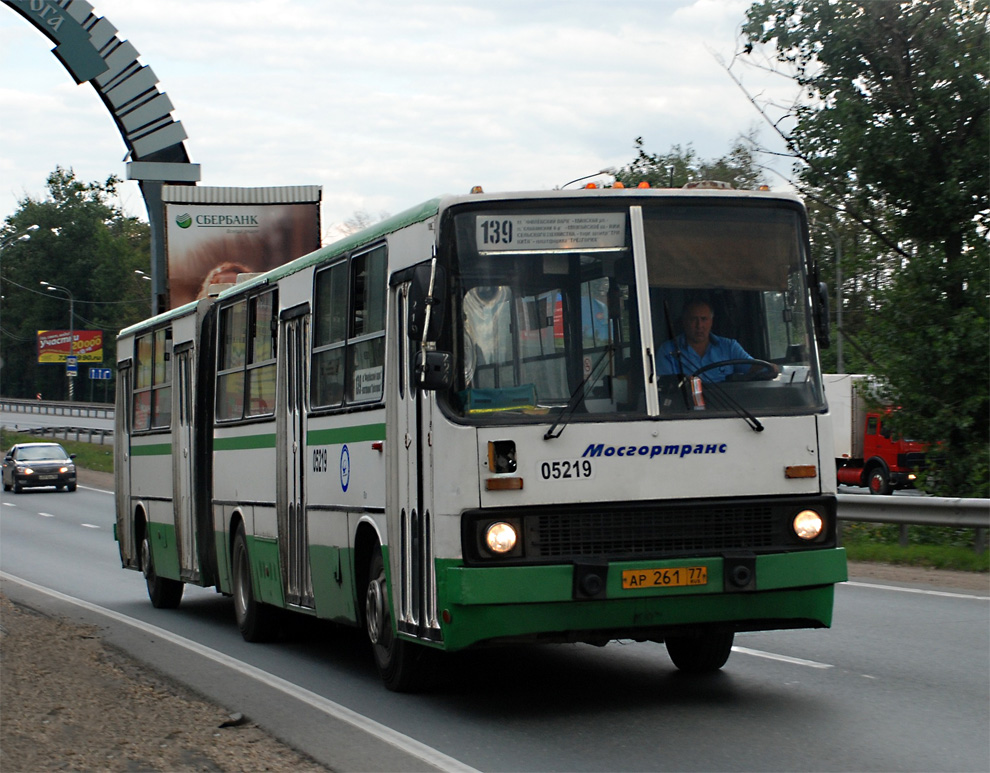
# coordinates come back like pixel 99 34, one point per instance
pixel 460 427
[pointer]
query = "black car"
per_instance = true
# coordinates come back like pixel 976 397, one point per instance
pixel 30 465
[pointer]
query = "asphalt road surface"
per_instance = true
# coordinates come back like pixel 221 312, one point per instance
pixel 901 682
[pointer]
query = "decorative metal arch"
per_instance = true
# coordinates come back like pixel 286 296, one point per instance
pixel 88 47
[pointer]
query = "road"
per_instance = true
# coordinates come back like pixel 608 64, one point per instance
pixel 901 682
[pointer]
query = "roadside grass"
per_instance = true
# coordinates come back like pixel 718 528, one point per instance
pixel 935 547
pixel 92 456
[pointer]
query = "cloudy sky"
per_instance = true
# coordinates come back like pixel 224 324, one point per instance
pixel 387 103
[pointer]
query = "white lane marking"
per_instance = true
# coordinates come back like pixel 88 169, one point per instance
pixel 917 590
pixel 781 658
pixel 384 733
pixel 9 504
pixel 46 515
pixel 89 526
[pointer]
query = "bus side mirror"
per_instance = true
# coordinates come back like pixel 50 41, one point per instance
pixel 426 303
pixel 822 332
pixel 434 370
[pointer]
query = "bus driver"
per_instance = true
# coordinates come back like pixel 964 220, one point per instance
pixel 696 347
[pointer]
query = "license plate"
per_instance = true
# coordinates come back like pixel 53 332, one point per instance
pixel 664 578
pixel 47 477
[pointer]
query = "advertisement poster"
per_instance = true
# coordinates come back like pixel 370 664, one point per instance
pixel 214 234
pixel 53 345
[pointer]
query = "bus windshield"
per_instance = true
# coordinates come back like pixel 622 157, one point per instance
pixel 590 309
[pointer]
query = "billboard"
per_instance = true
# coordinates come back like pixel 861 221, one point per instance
pixel 214 234
pixel 53 345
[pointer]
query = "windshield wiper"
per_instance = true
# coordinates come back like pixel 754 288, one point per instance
pixel 725 399
pixel 576 396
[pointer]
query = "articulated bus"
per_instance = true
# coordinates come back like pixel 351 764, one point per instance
pixel 476 423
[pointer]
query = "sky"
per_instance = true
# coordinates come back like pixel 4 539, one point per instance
pixel 388 103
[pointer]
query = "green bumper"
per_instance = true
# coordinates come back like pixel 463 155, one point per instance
pixel 791 590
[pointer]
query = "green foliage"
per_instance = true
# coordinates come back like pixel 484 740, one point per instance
pixel 682 165
pixel 891 141
pixel 86 245
pixel 92 456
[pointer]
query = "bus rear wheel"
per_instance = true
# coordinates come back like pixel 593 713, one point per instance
pixel 401 664
pixel 257 621
pixel 700 654
pixel 163 592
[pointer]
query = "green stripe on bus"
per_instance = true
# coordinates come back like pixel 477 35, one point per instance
pixel 155 449
pixel 244 442
pixel 329 437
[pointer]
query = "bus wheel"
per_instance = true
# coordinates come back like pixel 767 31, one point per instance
pixel 878 481
pixel 399 662
pixel 163 592
pixel 256 620
pixel 700 654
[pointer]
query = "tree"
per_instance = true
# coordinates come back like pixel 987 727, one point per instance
pixel 890 136
pixel 682 165
pixel 87 245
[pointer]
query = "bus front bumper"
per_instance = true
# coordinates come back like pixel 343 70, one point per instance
pixel 549 603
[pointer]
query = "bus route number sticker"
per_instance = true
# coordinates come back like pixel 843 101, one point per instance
pixel 567 469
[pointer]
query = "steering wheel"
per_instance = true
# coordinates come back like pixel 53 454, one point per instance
pixel 767 371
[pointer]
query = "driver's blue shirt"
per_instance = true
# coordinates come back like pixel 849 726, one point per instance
pixel 719 349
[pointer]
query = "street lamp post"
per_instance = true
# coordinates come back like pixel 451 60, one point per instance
pixel 20 236
pixel 837 244
pixel 70 357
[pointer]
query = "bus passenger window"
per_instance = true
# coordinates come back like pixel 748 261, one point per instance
pixel 329 336
pixel 348 362
pixel 246 358
pixel 366 345
pixel 152 406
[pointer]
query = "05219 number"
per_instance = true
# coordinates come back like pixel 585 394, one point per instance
pixel 567 469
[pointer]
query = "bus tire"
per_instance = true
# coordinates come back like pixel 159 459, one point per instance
pixel 400 663
pixel 700 654
pixel 163 592
pixel 256 620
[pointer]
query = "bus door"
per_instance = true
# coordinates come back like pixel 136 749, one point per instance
pixel 184 461
pixel 416 609
pixel 122 469
pixel 291 451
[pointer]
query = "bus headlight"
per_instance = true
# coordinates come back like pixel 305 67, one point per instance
pixel 501 538
pixel 808 525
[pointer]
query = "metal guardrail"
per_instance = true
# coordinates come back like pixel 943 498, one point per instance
pixel 57 408
pixel 918 511
pixel 79 434
pixel 915 511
